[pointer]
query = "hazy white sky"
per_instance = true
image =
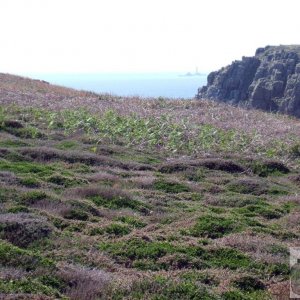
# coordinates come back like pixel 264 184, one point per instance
pixel 139 35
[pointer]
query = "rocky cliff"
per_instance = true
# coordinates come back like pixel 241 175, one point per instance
pixel 269 81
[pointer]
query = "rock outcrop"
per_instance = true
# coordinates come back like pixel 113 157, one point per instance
pixel 269 81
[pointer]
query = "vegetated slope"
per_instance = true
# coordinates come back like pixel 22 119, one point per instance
pixel 109 198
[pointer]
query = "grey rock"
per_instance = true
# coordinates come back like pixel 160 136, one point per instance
pixel 270 81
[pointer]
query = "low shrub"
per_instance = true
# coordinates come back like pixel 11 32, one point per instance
pixel 76 214
pixel 64 180
pixel 249 283
pixel 33 197
pixel 268 167
pixel 134 222
pixel 22 229
pixel 18 209
pixel 109 197
pixel 12 256
pixel 117 229
pixel 30 182
pixel 27 286
pixel 170 187
pixel 213 227
pixel 229 258
pixel 234 200
pixel 261 210
pixel 26 167
pixel 164 289
pixel 83 282
pixel 247 186
pixel 295 150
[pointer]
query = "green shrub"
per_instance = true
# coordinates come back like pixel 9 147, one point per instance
pixel 136 223
pixel 197 175
pixel 64 181
pixel 116 202
pixel 164 289
pixel 24 167
pixel 12 256
pixel 96 231
pixel 26 286
pixel 247 186
pixel 260 210
pixel 235 200
pixel 67 145
pixel 244 295
pixel 30 182
pixel 295 150
pixel 266 168
pixel 7 194
pixel 33 197
pixel 249 283
pixel 18 209
pixel 170 187
pixel 117 229
pixel 229 258
pixel 213 227
pixel 76 214
pixel 144 255
pixel 13 143
pixel 138 249
pixel 204 278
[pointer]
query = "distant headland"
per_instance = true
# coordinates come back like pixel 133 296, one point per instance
pixel 270 81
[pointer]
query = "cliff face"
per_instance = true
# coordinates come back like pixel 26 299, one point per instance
pixel 269 81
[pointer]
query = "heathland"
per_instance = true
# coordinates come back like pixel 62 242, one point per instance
pixel 105 197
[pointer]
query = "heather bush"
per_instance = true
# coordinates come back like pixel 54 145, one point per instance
pixel 83 282
pixel 8 178
pixel 109 197
pixel 76 214
pixel 248 186
pixel 12 273
pixel 234 200
pixel 33 197
pixel 22 229
pixel 249 283
pixel 65 181
pixel 268 167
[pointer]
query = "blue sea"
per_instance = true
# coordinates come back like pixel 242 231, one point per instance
pixel 171 85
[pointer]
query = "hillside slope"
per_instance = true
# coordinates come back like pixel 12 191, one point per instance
pixel 106 197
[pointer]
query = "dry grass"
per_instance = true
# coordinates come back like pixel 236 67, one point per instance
pixel 84 283
pixel 259 247
pixel 10 273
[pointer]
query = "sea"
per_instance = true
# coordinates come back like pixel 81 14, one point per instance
pixel 169 85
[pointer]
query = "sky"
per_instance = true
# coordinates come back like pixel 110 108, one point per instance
pixel 100 36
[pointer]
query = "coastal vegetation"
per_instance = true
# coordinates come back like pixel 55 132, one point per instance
pixel 103 197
